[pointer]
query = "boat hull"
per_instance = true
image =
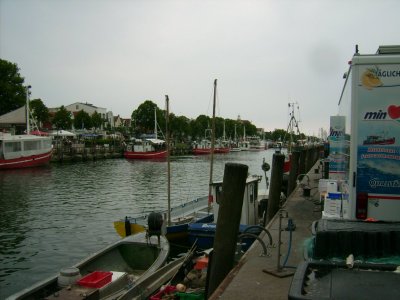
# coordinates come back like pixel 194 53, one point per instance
pixel 203 235
pixel 26 162
pixel 204 151
pixel 145 155
pixel 136 254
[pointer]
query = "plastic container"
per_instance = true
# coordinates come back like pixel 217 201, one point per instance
pixel 96 279
pixel 201 263
pixel 68 276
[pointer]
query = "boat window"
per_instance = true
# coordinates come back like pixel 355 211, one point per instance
pixel 47 143
pixel 12 147
pixel 31 145
pixel 251 193
pixel 218 193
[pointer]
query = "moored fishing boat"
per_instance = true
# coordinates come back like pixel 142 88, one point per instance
pixel 107 274
pixel 181 216
pixel 147 147
pixel 25 150
pixel 202 233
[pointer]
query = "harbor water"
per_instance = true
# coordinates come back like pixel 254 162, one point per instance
pixel 54 216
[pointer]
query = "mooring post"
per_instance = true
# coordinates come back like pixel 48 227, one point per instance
pixel 302 161
pixel 294 171
pixel 278 160
pixel 230 210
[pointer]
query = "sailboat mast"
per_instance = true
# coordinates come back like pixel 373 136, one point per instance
pixel 168 159
pixel 212 143
pixel 28 126
pixel 155 122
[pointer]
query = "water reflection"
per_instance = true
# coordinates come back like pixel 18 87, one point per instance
pixel 54 216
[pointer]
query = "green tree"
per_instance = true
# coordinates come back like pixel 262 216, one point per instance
pixel 62 118
pixel 279 135
pixel 179 127
pixel 97 121
pixel 39 111
pixel 12 91
pixel 82 120
pixel 143 117
pixel 199 126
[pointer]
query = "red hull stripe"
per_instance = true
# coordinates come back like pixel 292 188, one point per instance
pixel 25 162
pixel 145 155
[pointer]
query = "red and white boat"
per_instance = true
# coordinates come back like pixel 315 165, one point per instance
pixel 146 149
pixel 25 150
pixel 204 147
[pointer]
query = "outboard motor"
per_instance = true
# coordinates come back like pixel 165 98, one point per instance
pixel 155 224
pixel 128 231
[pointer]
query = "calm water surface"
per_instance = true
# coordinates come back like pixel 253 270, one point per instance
pixel 52 217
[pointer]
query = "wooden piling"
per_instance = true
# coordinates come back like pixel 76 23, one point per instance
pixel 274 198
pixel 294 171
pixel 302 161
pixel 229 214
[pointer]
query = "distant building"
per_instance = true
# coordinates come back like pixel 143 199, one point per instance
pixel 90 109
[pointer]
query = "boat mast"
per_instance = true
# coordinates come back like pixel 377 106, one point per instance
pixel 168 159
pixel 212 145
pixel 155 122
pixel 28 127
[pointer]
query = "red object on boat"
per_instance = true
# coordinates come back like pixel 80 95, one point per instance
pixel 287 164
pixel 39 133
pixel 201 263
pixel 167 290
pixel 95 279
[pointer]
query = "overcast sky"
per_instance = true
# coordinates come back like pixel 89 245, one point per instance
pixel 265 54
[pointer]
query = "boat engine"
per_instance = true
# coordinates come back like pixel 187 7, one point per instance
pixel 155 224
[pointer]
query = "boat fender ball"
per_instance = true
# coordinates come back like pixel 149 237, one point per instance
pixel 155 222
pixel 265 167
pixel 180 287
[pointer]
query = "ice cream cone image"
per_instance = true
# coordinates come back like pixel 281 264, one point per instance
pixel 370 80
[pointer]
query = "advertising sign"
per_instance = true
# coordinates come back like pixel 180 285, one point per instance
pixel 378 142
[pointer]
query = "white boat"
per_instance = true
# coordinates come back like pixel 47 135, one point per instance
pixel 147 148
pixel 108 274
pixel 25 150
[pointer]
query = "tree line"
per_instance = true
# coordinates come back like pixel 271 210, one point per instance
pixel 13 95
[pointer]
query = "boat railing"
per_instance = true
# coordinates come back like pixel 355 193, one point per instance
pixel 189 207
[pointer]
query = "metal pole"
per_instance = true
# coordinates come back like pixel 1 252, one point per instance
pixel 212 146
pixel 168 160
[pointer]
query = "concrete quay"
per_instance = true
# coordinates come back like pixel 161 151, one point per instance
pixel 257 276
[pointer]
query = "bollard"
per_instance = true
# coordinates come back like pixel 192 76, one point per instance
pixel 274 198
pixel 229 214
pixel 294 171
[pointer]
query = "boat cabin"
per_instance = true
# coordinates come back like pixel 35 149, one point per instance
pixel 250 204
pixel 16 146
